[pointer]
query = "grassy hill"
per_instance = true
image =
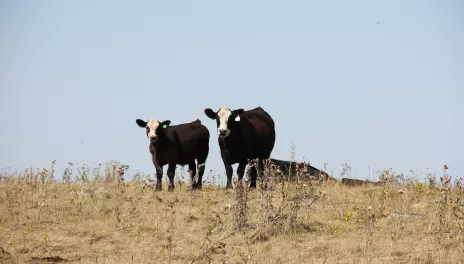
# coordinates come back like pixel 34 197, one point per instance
pixel 107 220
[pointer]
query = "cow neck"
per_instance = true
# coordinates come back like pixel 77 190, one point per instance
pixel 224 142
pixel 162 135
pixel 161 141
pixel 231 138
pixel 236 136
pixel 243 129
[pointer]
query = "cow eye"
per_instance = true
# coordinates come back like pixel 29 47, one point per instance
pixel 148 130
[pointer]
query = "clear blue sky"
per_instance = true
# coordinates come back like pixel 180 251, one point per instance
pixel 343 87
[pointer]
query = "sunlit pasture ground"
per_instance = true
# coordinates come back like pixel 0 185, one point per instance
pixel 97 216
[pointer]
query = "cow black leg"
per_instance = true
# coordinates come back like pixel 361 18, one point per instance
pixel 171 172
pixel 201 171
pixel 229 176
pixel 259 169
pixel 241 170
pixel 159 177
pixel 254 173
pixel 192 172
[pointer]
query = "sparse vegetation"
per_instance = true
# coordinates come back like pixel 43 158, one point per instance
pixel 99 217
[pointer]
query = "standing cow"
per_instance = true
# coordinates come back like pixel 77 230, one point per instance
pixel 177 145
pixel 243 135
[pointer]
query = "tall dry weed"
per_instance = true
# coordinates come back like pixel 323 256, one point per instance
pixel 284 201
pixel 241 205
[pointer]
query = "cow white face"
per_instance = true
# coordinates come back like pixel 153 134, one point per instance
pixel 152 127
pixel 224 117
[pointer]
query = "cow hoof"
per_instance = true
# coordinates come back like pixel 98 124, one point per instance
pixel 158 188
pixel 170 188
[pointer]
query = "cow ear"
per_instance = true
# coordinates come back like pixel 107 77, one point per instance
pixel 165 123
pixel 238 112
pixel 210 113
pixel 141 123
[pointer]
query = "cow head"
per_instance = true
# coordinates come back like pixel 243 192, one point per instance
pixel 226 119
pixel 153 127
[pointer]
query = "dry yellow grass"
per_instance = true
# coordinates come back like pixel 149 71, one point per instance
pixel 111 222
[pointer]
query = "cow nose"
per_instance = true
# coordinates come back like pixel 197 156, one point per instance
pixel 222 132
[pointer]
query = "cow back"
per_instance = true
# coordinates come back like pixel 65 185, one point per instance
pixel 184 142
pixel 262 132
pixel 190 136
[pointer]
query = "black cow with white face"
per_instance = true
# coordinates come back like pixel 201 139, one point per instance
pixel 177 145
pixel 243 135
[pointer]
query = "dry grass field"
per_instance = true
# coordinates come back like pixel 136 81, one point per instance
pixel 104 219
